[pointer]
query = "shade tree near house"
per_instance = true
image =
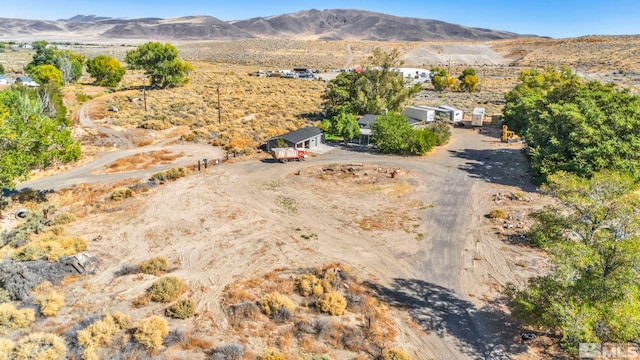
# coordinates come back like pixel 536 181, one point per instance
pixel 379 88
pixel 392 134
pixel 160 63
pixel 68 63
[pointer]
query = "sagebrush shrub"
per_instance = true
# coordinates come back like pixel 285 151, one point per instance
pixel 306 285
pixel 12 318
pixel 50 303
pixel 271 355
pixel 171 174
pixel 5 296
pixel 40 346
pixel 151 331
pixel 6 346
pixel 182 309
pixel 120 194
pixel 498 214
pixel 332 303
pixel 395 354
pixel 154 266
pixel 272 302
pixel 166 289
pixel 100 334
pixel 228 352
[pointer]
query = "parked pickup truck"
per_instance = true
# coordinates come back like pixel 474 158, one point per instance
pixel 285 154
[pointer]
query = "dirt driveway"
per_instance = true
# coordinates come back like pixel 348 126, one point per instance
pixel 421 238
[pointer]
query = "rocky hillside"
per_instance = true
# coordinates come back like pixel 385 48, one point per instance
pixel 308 25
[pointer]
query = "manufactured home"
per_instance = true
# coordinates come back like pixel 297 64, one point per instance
pixel 454 114
pixel 421 113
pixel 477 117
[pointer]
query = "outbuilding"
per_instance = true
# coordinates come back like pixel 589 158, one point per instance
pixel 420 113
pixel 305 138
pixel 454 115
pixel 477 117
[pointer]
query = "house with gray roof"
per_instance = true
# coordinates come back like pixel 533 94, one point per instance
pixel 305 138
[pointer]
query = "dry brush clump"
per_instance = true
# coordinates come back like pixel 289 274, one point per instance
pixel 182 309
pixel 155 266
pixel 300 320
pixel 40 346
pixel 49 299
pixel 100 334
pixel 150 332
pixel 12 318
pixel 166 289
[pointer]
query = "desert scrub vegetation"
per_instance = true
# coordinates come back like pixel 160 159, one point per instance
pixel 6 346
pixel 100 334
pixel 498 214
pixel 49 299
pixel 274 302
pixel 150 332
pixel 166 289
pixel 50 246
pixel 120 194
pixel 395 354
pixel 182 309
pixel 252 109
pixel 155 266
pixel 40 346
pixel 332 303
pixel 271 355
pixel 12 318
pixel 171 174
pixel 261 309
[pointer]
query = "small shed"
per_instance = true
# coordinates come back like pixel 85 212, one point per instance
pixel 305 138
pixel 477 117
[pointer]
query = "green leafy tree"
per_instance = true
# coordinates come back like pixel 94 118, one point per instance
pixel 575 126
pixel 592 293
pixel 32 134
pixel 107 70
pixel 392 134
pixel 468 80
pixel 160 62
pixel 441 79
pixel 46 74
pixel 345 125
pixel 68 63
pixel 380 86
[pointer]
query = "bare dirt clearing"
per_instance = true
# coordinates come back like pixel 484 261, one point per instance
pixel 421 239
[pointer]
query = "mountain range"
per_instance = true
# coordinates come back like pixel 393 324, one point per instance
pixel 337 24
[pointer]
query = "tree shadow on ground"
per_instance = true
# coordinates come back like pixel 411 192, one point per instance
pixel 481 333
pixel 506 166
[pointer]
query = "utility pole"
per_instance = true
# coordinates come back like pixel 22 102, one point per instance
pixel 144 92
pixel 219 109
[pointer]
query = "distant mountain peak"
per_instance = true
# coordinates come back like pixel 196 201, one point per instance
pixel 84 18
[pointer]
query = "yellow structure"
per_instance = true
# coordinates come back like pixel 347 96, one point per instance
pixel 508 135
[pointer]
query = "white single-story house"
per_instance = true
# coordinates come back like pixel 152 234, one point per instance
pixel 26 81
pixel 305 138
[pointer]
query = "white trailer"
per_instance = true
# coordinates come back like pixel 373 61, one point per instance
pixel 422 113
pixel 477 117
pixel 454 114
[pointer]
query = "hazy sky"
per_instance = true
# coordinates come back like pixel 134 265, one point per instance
pixel 560 18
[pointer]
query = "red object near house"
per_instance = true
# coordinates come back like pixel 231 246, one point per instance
pixel 285 154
